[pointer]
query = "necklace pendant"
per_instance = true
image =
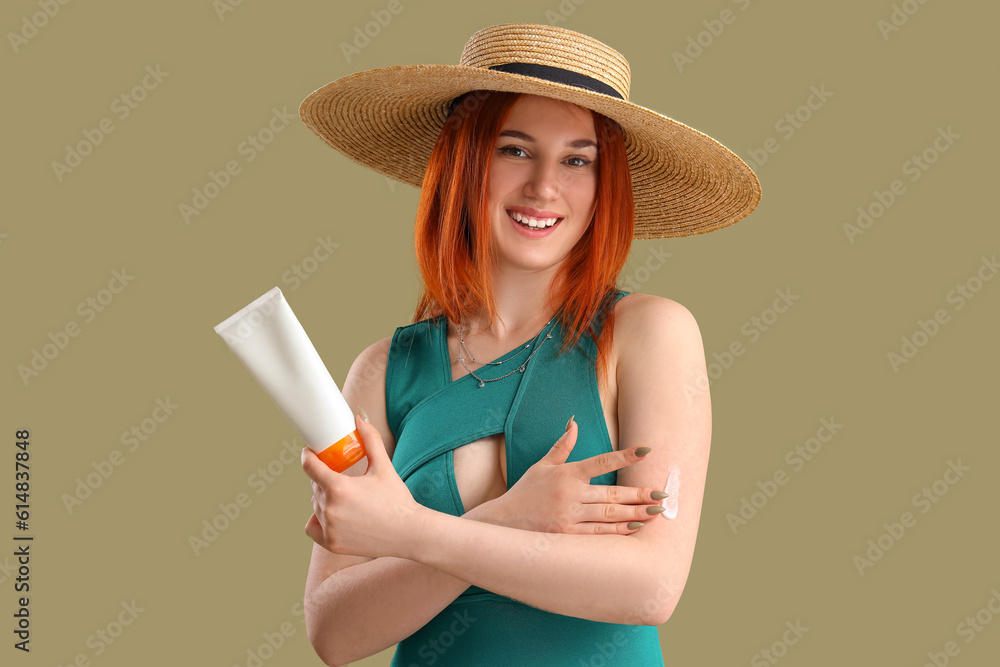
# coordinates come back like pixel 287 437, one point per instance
pixel 522 368
pixel 482 384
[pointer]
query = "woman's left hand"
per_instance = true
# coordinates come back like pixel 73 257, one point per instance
pixel 371 515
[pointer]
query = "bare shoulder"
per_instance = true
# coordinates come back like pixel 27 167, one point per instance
pixel 639 305
pixel 374 359
pixel 365 387
pixel 645 320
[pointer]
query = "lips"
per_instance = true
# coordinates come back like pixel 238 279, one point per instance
pixel 533 232
pixel 532 219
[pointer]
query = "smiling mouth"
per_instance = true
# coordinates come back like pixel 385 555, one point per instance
pixel 533 223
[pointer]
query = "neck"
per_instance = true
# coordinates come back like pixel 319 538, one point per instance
pixel 522 307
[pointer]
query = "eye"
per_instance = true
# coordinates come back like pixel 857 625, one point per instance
pixel 510 150
pixel 581 162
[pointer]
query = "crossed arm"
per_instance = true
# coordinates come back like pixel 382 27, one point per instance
pixel 424 559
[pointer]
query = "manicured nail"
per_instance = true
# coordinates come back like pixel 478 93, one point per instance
pixel 635 524
pixel 570 421
pixel 654 509
pixel 642 451
pixel 658 495
pixel 364 414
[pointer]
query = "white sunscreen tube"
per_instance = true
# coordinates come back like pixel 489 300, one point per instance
pixel 271 343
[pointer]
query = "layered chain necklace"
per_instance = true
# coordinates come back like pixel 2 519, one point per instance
pixel 519 369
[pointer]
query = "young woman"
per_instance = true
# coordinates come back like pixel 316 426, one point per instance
pixel 537 439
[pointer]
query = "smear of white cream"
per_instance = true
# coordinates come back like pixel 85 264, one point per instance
pixel 672 489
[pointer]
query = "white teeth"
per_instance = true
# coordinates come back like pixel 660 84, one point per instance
pixel 533 222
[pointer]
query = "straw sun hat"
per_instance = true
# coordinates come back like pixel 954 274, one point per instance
pixel 388 119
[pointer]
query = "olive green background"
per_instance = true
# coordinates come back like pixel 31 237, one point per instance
pixel 825 357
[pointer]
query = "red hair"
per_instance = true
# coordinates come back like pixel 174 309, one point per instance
pixel 454 243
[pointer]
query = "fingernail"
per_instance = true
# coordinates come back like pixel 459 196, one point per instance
pixel 654 509
pixel 642 451
pixel 364 414
pixel 635 524
pixel 658 495
pixel 570 421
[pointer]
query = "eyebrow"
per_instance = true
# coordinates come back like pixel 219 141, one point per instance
pixel 577 143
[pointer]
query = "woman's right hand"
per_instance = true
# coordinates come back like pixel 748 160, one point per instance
pixel 557 497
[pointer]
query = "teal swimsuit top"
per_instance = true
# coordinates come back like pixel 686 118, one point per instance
pixel 430 415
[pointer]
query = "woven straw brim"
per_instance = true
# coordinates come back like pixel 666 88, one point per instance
pixel 684 182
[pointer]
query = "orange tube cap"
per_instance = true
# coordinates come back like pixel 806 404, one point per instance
pixel 344 453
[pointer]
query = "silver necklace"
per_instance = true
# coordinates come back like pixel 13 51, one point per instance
pixel 519 369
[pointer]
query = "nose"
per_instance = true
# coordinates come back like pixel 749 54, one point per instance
pixel 543 181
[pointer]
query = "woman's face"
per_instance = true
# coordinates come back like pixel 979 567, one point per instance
pixel 544 167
